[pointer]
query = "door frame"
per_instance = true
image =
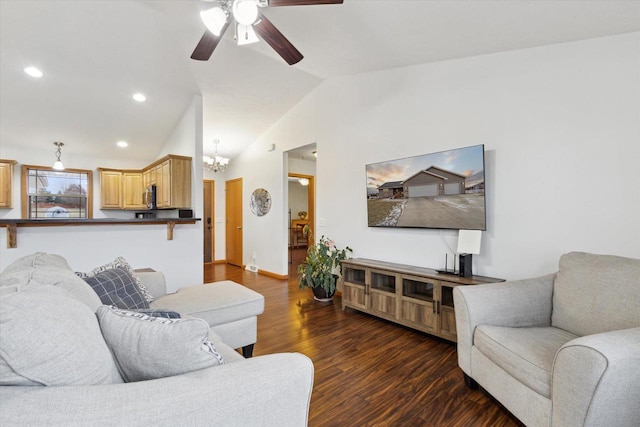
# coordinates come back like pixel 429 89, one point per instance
pixel 213 220
pixel 311 202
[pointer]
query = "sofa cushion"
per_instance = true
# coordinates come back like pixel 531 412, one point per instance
pixel 50 276
pixel 120 262
pixel 151 347
pixel 596 293
pixel 37 260
pixel 525 353
pixel 49 338
pixel 217 303
pixel 117 287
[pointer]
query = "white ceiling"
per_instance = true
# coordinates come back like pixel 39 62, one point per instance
pixel 96 54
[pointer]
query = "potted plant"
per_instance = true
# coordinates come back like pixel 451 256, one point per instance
pixel 319 267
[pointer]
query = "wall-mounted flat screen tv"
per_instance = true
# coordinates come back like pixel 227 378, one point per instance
pixel 437 190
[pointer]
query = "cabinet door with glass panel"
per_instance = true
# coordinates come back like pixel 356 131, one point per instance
pixel 420 302
pixel 354 287
pixel 382 293
pixel 51 194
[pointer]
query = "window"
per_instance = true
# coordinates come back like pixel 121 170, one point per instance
pixel 51 194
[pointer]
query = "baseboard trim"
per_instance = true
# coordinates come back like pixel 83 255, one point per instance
pixel 220 261
pixel 274 275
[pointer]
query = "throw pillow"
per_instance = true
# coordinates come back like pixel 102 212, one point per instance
pixel 47 276
pixel 49 338
pixel 158 312
pixel 120 262
pixel 117 287
pixel 38 260
pixel 147 347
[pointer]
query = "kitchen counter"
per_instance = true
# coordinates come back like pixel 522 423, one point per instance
pixel 13 224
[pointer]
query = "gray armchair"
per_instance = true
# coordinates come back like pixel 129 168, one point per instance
pixel 557 350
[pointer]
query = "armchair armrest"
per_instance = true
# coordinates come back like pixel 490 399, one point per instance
pixel 596 380
pixel 272 390
pixel 516 304
pixel 154 281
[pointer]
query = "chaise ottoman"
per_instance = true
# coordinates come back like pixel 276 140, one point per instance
pixel 230 309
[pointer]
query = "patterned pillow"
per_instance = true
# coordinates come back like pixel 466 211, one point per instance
pixel 147 347
pixel 117 287
pixel 158 312
pixel 120 262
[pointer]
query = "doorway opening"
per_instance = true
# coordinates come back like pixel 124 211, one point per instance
pixel 301 185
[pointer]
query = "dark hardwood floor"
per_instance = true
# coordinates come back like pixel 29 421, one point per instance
pixel 368 372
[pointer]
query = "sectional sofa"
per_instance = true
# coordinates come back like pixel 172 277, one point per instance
pixel 66 359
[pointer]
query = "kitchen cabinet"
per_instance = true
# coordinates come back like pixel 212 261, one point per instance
pixel 6 183
pixel 121 189
pixel 420 298
pixel 173 182
pixel 110 189
pixel 132 191
pixel 124 189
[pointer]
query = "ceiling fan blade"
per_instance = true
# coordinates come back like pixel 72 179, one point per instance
pixel 277 41
pixel 273 3
pixel 207 45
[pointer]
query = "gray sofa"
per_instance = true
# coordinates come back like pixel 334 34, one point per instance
pixel 58 366
pixel 558 350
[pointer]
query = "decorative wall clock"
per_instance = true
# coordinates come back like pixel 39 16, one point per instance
pixel 260 202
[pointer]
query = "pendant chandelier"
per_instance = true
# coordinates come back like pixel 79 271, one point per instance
pixel 215 163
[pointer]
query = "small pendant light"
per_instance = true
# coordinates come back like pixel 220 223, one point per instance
pixel 58 164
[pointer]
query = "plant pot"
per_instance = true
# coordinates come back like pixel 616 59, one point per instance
pixel 319 294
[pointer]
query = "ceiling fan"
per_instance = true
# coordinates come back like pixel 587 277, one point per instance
pixel 249 21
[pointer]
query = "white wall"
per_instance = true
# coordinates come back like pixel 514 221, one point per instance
pixel 301 166
pixel 561 131
pixel 86 247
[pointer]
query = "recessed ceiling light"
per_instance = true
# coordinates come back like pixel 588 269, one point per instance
pixel 122 144
pixel 33 72
pixel 139 97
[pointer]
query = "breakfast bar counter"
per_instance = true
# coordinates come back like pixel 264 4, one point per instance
pixel 13 224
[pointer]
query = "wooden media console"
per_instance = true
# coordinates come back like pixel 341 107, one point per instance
pixel 420 298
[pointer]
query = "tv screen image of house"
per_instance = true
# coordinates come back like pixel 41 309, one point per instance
pixel 438 190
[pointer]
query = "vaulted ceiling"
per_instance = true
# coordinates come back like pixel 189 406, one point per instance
pixel 96 54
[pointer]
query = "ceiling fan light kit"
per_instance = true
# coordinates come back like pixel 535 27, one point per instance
pixel 214 19
pixel 245 12
pixel 246 35
pixel 250 23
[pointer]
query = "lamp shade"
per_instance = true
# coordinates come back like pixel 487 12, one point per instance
pixel 214 19
pixel 245 11
pixel 469 241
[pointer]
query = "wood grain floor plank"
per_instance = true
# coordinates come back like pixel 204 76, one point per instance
pixel 368 372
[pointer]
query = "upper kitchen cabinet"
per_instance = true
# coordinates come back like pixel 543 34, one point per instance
pixel 6 182
pixel 124 189
pixel 173 182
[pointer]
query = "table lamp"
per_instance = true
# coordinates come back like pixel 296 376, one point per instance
pixel 468 244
